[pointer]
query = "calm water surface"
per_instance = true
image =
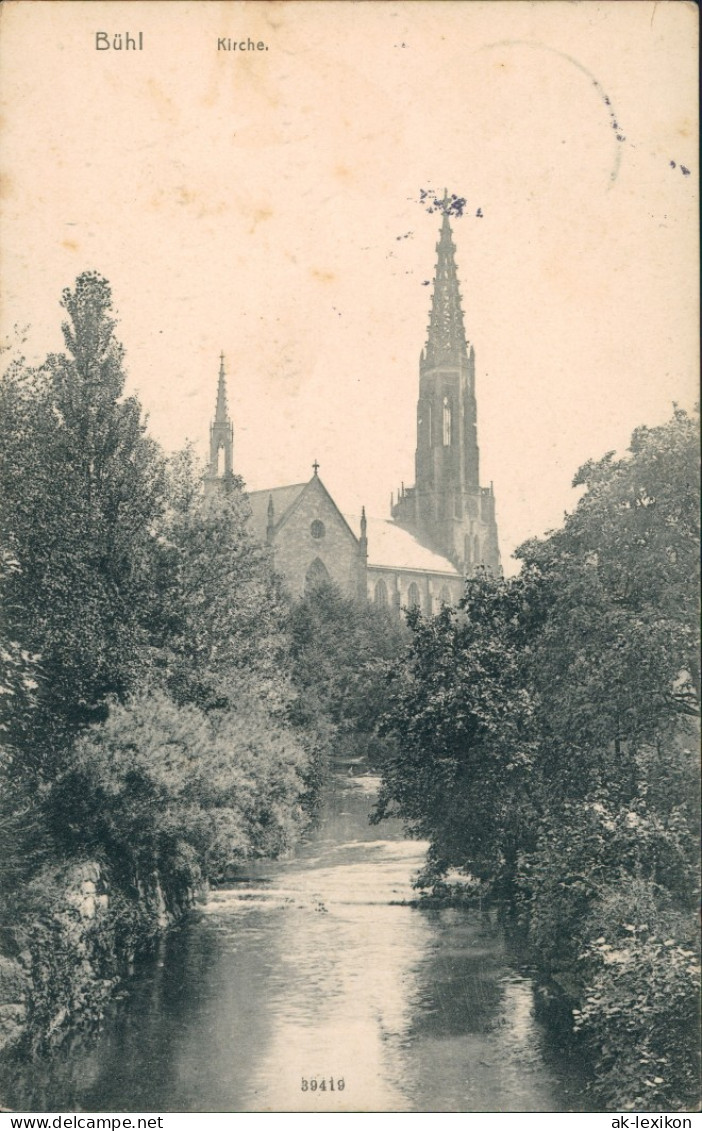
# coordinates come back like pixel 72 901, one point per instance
pixel 313 969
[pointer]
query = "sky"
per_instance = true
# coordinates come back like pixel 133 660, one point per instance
pixel 267 204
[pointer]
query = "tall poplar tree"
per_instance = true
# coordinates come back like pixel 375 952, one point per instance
pixel 82 486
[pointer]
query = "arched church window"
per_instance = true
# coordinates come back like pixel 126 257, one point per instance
pixel 220 460
pixel 444 596
pixel 429 423
pixel 447 423
pixel 317 574
pixel 413 596
pixel 476 549
pixel 381 594
pixel 317 529
pixel 468 549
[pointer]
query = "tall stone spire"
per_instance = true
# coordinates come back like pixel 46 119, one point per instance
pixel 447 508
pixel 446 338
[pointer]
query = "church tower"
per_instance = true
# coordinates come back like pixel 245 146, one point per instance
pixel 221 469
pixel 447 508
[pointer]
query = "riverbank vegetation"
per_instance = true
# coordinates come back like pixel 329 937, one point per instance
pixel 545 741
pixel 341 649
pixel 152 737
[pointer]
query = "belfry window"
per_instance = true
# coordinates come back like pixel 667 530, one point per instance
pixel 220 460
pixel 447 423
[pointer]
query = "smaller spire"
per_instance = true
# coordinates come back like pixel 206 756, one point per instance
pixel 270 524
pixel 221 438
pixel 363 546
pixel 221 414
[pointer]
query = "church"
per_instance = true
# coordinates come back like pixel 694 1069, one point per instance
pixel 441 529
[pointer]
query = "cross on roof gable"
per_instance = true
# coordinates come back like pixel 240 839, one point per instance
pixel 286 501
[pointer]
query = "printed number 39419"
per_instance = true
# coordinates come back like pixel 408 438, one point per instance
pixel 326 1084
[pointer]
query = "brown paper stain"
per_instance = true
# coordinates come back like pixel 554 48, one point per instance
pixel 70 245
pixel 274 7
pixel 323 276
pixel 259 216
pixel 165 107
pixel 187 198
pixel 185 195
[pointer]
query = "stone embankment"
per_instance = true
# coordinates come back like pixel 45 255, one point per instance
pixel 74 940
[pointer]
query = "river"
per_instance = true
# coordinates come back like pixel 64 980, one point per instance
pixel 311 985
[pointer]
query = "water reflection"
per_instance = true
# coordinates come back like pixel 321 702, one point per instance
pixel 312 969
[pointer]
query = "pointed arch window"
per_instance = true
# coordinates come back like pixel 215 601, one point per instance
pixel 447 423
pixel 381 594
pixel 413 596
pixel 317 574
pixel 221 460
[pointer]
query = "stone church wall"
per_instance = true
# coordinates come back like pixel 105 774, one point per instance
pixel 296 548
pixel 432 589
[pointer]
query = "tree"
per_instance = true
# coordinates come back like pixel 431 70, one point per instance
pixel 613 611
pixel 82 487
pixel 340 651
pixel 461 719
pixel 171 795
pixel 219 611
pixel 546 738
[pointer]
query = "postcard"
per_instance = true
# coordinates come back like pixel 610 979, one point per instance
pixel 390 273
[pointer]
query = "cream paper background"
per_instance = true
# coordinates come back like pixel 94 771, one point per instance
pixel 260 203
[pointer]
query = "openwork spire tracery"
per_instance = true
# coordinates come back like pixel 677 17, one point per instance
pixel 446 339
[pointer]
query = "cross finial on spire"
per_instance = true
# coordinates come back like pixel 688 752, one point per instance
pixel 315 467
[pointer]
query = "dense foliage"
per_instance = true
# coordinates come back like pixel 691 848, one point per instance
pixel 340 652
pixel 546 737
pixel 151 723
pixel 82 487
